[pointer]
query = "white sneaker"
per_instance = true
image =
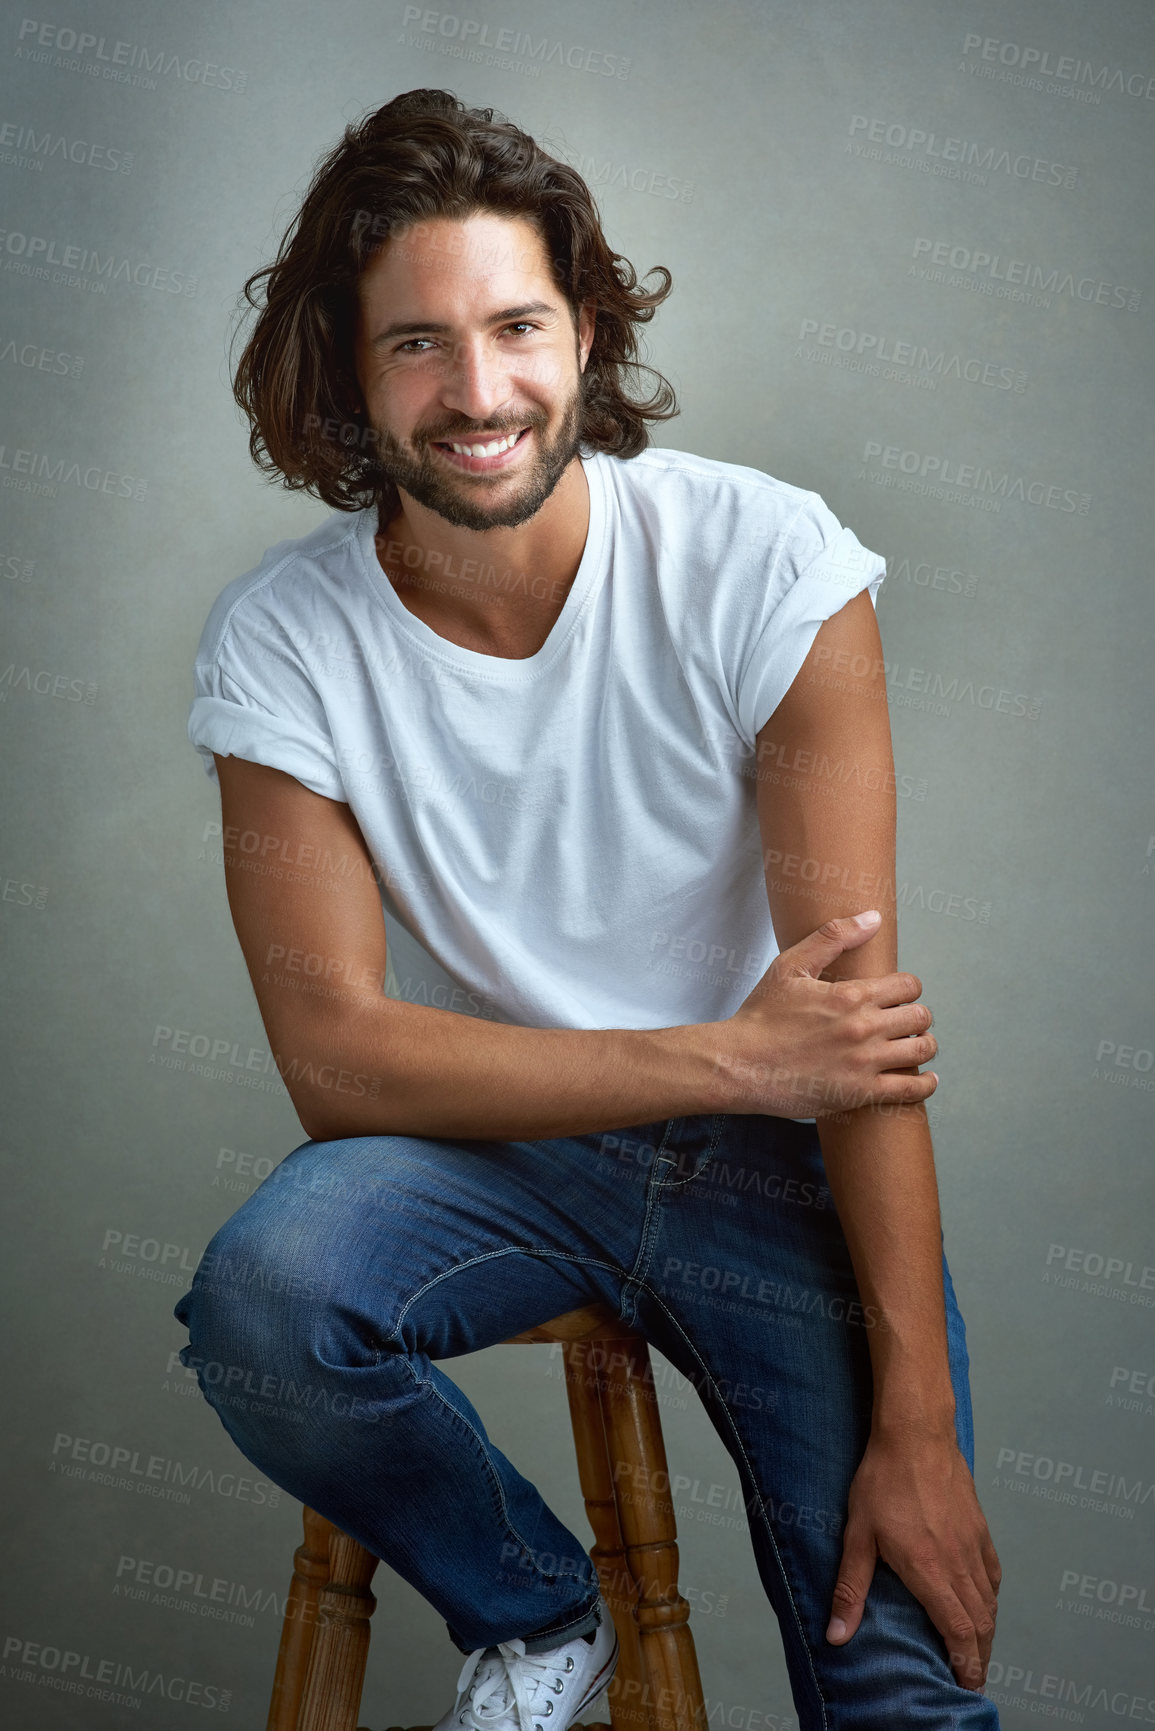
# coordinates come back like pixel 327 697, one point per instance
pixel 504 1688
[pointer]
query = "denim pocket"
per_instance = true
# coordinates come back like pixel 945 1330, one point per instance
pixel 694 1143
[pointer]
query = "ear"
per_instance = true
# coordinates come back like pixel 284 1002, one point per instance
pixel 587 320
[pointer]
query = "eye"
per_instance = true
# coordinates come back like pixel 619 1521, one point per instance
pixel 408 345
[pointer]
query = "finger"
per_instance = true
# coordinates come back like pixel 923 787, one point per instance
pixel 901 1088
pixel 979 1602
pixel 907 1053
pixel 906 1019
pixel 991 1562
pixel 819 948
pixel 955 1624
pixel 855 1573
pixel 892 989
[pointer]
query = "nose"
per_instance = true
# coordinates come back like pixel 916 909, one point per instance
pixel 477 382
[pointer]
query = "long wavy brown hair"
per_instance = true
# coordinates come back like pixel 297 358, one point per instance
pixel 423 155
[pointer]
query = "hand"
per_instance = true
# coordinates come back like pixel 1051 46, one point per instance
pixel 802 1047
pixel 913 1503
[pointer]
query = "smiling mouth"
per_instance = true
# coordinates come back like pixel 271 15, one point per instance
pixel 481 447
pixel 482 453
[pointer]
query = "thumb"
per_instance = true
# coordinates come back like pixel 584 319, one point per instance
pixel 821 947
pixel 855 1574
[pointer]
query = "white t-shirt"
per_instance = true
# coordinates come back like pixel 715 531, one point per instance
pixel 569 840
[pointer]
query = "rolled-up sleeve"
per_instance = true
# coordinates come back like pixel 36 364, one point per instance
pixel 818 568
pixel 275 717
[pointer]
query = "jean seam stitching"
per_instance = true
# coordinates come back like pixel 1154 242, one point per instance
pixel 561 1574
pixel 761 1507
pixel 680 1183
pixel 581 1618
pixel 472 1262
pixel 627 1307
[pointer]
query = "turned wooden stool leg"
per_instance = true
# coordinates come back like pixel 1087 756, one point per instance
pixel 310 1572
pixel 646 1518
pixel 583 1381
pixel 621 1462
pixel 336 1672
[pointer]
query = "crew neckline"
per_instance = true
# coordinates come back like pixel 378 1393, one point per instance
pixel 498 667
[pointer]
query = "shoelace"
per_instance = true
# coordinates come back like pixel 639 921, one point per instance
pixel 509 1681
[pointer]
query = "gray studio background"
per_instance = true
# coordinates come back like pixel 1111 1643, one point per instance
pixel 913 270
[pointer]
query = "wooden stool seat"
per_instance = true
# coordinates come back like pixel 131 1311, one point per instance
pixel 621 1461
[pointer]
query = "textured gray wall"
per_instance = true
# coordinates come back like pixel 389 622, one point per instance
pixel 913 269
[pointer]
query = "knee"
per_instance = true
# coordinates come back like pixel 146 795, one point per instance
pixel 252 1294
pixel 282 1284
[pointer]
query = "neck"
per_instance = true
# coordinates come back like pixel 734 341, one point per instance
pixel 491 583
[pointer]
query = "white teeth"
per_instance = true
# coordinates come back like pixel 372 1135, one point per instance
pixel 485 450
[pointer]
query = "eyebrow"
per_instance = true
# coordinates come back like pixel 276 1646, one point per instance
pixel 418 327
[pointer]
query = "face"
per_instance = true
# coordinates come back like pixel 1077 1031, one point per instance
pixel 463 338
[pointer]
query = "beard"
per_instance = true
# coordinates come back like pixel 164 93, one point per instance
pixel 460 500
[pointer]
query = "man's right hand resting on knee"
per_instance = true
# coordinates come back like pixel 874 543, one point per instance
pixel 356 1062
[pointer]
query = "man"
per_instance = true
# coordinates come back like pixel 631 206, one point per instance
pixel 508 695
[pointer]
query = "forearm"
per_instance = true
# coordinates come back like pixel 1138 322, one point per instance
pixel 880 1166
pixel 841 829
pixel 413 1070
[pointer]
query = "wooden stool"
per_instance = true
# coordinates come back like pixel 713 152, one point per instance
pixel 621 1459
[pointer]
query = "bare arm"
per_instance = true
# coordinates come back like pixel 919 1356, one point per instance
pixel 829 846
pixel 356 1062
pixel 820 831
pixel 315 946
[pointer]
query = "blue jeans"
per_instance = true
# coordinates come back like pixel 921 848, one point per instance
pixel 320 1306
